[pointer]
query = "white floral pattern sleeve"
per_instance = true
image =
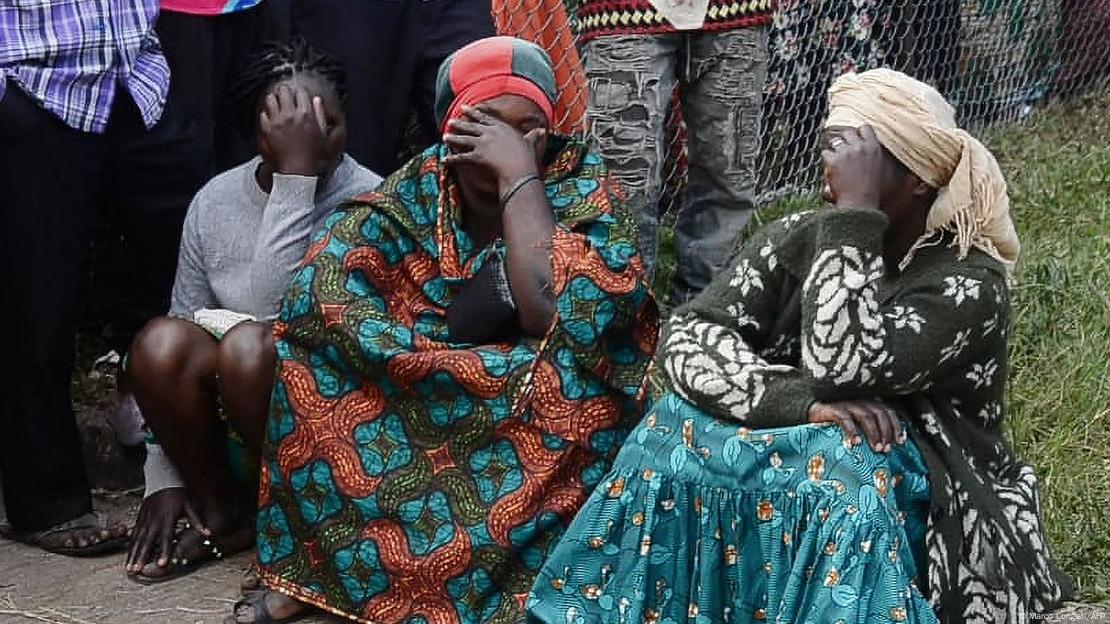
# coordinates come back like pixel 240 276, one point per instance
pixel 721 352
pixel 853 341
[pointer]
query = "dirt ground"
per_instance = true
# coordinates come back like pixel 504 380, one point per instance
pixel 41 587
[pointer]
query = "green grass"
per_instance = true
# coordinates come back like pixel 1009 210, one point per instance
pixel 1058 167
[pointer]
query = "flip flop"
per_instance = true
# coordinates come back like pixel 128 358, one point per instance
pixel 183 566
pixel 53 539
pixel 262 614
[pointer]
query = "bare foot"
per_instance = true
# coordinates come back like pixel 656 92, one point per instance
pixel 251 582
pixel 193 549
pixel 255 608
pixel 84 536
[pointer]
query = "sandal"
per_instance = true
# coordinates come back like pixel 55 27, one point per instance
pixel 261 609
pixel 179 566
pixel 61 538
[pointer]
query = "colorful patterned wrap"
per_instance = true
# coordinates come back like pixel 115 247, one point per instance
pixel 705 521
pixel 409 479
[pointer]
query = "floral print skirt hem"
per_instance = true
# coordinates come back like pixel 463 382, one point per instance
pixel 704 521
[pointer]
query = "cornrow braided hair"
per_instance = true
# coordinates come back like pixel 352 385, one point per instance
pixel 275 62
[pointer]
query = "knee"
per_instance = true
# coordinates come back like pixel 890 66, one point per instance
pixel 166 348
pixel 246 350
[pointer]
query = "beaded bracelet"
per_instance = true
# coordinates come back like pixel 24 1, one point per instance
pixel 508 195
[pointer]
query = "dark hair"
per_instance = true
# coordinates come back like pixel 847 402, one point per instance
pixel 275 62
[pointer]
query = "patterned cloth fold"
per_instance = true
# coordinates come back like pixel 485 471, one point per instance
pixel 788 524
pixel 409 478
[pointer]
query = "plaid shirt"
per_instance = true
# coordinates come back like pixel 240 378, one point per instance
pixel 70 55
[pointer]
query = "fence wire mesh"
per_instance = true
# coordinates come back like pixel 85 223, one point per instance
pixel 997 61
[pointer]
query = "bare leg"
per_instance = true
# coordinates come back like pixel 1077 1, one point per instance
pixel 245 361
pixel 278 606
pixel 172 373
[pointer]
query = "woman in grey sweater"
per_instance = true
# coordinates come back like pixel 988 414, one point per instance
pixel 202 375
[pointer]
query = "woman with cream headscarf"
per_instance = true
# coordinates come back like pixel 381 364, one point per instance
pixel 885 314
pixel 459 357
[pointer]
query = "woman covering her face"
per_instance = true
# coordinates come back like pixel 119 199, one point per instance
pixel 202 374
pixel 886 313
pixel 460 356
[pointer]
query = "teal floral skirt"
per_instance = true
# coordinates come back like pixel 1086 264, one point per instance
pixel 704 521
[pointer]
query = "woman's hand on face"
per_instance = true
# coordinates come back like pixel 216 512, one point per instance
pixel 154 529
pixel 482 139
pixel 292 125
pixel 875 419
pixel 853 169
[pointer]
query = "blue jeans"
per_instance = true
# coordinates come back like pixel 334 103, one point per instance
pixel 720 77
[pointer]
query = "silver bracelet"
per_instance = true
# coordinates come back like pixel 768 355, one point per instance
pixel 508 195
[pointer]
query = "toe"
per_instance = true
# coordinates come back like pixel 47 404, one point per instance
pixel 153 570
pixel 244 614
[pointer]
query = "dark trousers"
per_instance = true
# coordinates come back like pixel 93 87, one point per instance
pixel 392 51
pixel 205 53
pixel 53 181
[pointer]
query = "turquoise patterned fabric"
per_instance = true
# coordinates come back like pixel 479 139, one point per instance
pixel 783 525
pixel 409 478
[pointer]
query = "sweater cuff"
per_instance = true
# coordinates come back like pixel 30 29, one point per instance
pixel 794 396
pixel 855 227
pixel 159 471
pixel 295 189
pixel 798 403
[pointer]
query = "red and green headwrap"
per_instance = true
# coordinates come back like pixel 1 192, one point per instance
pixel 489 68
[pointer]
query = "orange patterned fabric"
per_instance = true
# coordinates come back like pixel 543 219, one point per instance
pixel 407 476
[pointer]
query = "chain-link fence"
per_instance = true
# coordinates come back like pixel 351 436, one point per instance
pixel 995 60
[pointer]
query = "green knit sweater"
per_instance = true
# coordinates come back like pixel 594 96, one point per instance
pixel 806 314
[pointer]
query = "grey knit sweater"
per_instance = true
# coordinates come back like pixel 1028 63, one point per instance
pixel 240 246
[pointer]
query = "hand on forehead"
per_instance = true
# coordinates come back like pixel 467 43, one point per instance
pixel 311 84
pixel 514 110
pixel 835 134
